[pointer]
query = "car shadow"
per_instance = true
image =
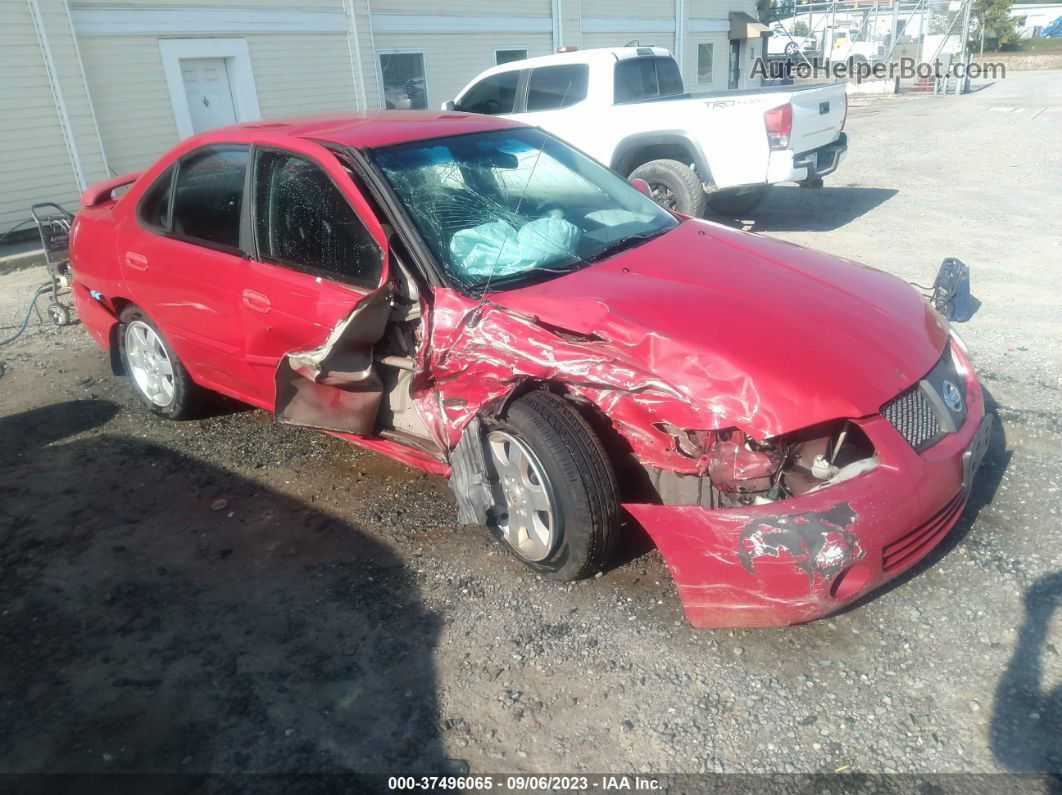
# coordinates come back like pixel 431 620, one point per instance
pixel 788 208
pixel 1026 727
pixel 986 483
pixel 162 615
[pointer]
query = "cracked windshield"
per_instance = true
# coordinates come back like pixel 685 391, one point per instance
pixel 499 208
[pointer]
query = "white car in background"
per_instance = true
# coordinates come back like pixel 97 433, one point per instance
pixel 784 43
pixel 626 106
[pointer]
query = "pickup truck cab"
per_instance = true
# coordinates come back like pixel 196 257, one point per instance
pixel 627 107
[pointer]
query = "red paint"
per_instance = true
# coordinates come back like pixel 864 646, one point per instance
pixel 890 502
pixel 704 328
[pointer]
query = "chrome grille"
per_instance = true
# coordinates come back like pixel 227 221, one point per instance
pixel 911 413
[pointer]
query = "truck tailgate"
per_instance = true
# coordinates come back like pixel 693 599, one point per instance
pixel 818 114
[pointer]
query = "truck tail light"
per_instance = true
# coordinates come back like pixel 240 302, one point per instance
pixel 779 124
pixel 845 117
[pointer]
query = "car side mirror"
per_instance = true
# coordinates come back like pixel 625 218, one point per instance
pixel 642 186
pixel 449 105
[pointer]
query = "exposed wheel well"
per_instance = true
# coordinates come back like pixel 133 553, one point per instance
pixel 120 305
pixel 633 157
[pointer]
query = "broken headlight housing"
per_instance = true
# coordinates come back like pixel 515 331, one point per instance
pixel 740 470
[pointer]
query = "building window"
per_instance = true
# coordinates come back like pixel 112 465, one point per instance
pixel 508 56
pixel 705 57
pixel 404 87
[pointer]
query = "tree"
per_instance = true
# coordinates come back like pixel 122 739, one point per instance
pixel 800 28
pixel 993 18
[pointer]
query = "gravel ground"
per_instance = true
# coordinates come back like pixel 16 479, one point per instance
pixel 231 595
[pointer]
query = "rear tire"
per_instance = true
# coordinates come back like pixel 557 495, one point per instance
pixel 155 373
pixel 738 201
pixel 561 518
pixel 675 186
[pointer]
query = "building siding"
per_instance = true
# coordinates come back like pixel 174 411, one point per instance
pixel 447 75
pixel 132 102
pixel 35 159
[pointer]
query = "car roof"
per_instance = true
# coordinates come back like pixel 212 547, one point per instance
pixel 365 130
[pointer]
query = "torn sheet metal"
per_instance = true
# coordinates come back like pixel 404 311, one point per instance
pixel 469 478
pixel 335 386
pixel 657 340
pixel 781 563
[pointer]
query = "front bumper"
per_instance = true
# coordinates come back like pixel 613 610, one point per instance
pixel 806 557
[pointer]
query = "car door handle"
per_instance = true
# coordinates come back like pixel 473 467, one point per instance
pixel 256 301
pixel 136 261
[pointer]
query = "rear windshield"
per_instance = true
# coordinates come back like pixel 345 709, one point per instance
pixel 646 78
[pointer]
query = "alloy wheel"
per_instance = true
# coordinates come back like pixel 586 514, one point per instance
pixel 664 196
pixel 527 515
pixel 149 364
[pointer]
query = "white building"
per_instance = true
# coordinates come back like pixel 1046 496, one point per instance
pixel 92 88
pixel 1034 17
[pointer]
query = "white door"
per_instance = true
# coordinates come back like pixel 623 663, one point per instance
pixel 209 93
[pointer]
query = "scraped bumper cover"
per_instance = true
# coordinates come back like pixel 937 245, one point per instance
pixel 806 557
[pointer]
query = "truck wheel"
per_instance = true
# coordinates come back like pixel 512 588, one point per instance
pixel 738 201
pixel 556 499
pixel 675 186
pixel 156 374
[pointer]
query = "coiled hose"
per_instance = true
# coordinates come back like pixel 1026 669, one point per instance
pixel 44 288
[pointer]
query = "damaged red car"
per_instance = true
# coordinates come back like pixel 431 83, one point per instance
pixel 476 298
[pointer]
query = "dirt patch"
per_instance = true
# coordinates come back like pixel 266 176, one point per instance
pixel 1023 61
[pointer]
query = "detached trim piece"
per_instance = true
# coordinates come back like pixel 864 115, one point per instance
pixel 469 477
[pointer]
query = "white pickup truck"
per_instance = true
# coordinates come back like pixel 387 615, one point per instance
pixel 626 107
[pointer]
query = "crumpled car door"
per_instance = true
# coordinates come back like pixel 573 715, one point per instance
pixel 310 327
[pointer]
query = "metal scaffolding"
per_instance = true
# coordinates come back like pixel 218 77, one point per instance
pixel 878 31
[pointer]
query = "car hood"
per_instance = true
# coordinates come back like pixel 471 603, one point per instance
pixel 771 336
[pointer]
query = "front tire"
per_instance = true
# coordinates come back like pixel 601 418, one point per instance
pixel 155 373
pixel 556 498
pixel 675 186
pixel 738 201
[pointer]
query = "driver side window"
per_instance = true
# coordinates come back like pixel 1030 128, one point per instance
pixel 304 222
pixel 492 95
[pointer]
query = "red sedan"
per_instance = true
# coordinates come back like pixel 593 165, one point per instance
pixel 476 298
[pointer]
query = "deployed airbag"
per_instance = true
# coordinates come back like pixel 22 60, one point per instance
pixel 496 248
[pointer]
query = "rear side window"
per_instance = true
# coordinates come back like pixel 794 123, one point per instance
pixel 154 207
pixel 492 95
pixel 646 78
pixel 303 221
pixel 554 87
pixel 209 194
